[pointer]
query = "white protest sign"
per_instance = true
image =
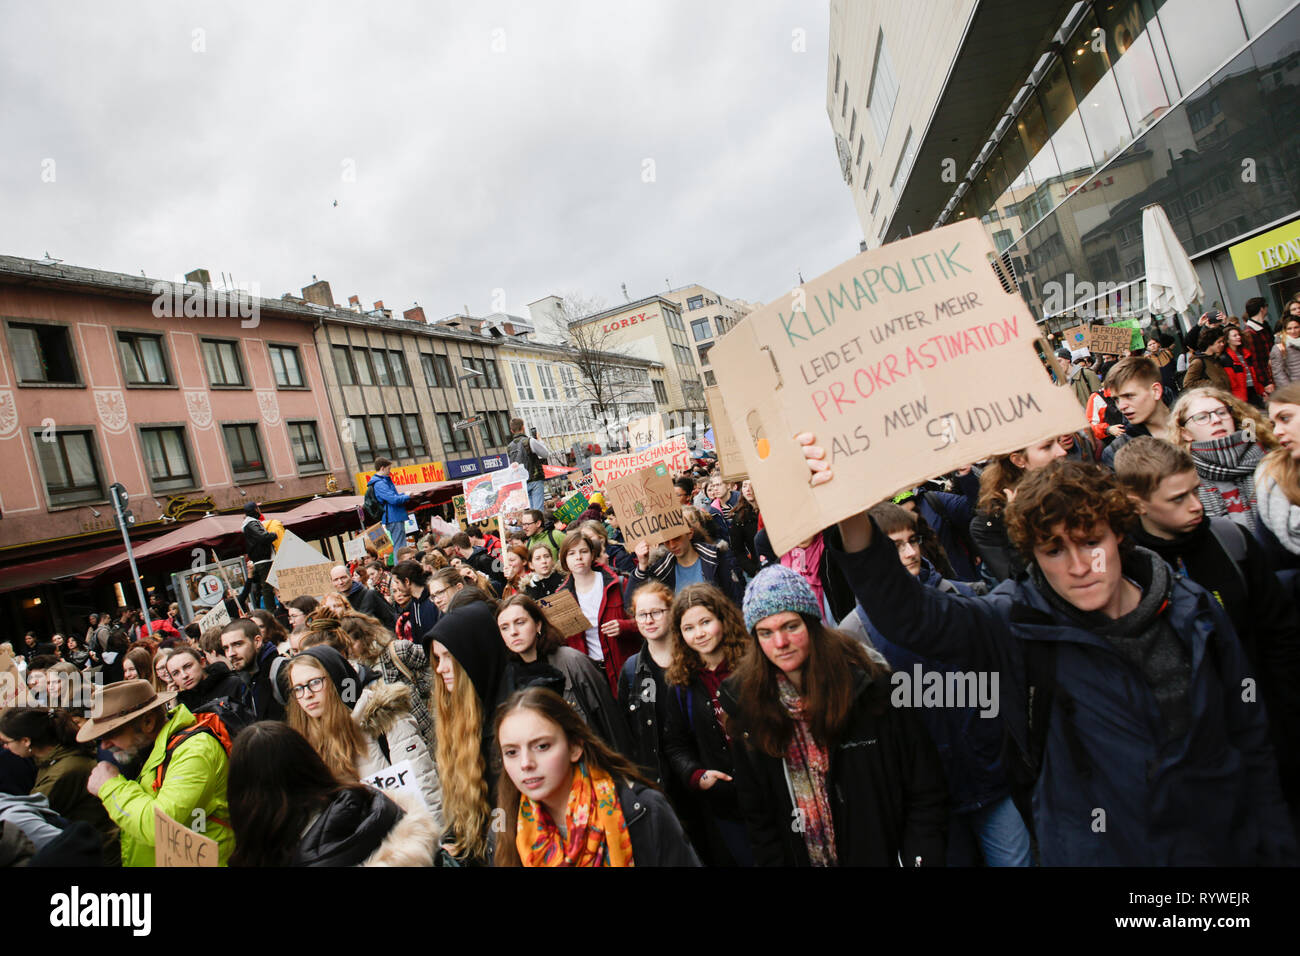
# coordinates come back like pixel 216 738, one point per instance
pixel 645 431
pixel 674 453
pixel 217 617
pixel 294 553
pixel 354 549
pixel 397 777
pixel 906 362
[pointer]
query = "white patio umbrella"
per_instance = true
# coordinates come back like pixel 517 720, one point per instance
pixel 1172 282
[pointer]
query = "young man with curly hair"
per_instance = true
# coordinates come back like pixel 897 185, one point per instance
pixel 1135 736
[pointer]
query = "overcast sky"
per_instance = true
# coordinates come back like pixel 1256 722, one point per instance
pixel 519 168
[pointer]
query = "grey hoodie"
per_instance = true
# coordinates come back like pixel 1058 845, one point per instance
pixel 30 813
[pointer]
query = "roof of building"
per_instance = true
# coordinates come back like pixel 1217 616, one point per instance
pixel 623 308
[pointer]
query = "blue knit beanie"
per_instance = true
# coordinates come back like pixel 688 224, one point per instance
pixel 777 589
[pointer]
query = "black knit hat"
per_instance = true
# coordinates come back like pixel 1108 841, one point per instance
pixel 251 509
pixel 470 633
pixel 340 671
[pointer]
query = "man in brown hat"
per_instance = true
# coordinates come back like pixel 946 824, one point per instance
pixel 177 763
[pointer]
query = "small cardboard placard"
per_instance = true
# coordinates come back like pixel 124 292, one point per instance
pixel 562 610
pixel 642 432
pixel 311 579
pixel 379 537
pixel 674 453
pixel 571 507
pixel 647 506
pixel 907 361
pixel 398 777
pixel 175 845
pixel 586 483
pixel 354 549
pixel 217 617
pixel 730 461
pixel 1109 339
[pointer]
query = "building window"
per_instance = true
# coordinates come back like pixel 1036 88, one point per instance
pixel 222 361
pixel 491 379
pixel 361 358
pixel 522 383
pixel 904 166
pixel 452 439
pixel 883 93
pixel 288 370
pixel 837 73
pixel 379 443
pixel 709 378
pixel 167 459
pixel 415 436
pixel 875 202
pixel 844 103
pixel 382 374
pixel 306 446
pixel 548 383
pixel 397 364
pixel 245 452
pixel 143 360
pixel 43 354
pixel 721 323
pixel 853 126
pixel 566 379
pixel 700 329
pixel 343 365
pixel 661 393
pixel 443 367
pixel 360 438
pixel 704 352
pixel 70 466
pixel 694 302
pixel 397 431
pixel 858 161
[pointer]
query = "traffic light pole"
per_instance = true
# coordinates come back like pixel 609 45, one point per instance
pixel 118 494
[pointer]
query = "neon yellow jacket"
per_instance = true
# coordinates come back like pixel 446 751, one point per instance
pixel 196 780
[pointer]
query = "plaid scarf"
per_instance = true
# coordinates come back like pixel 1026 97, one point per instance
pixel 1232 459
pixel 807 766
pixel 595 832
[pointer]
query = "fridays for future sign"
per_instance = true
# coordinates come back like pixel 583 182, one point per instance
pixel 907 361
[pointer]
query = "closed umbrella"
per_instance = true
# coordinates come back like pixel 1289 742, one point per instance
pixel 1172 282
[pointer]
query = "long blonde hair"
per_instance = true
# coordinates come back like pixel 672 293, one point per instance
pixel 465 806
pixel 1278 464
pixel 335 736
pixel 1241 412
pixel 369 633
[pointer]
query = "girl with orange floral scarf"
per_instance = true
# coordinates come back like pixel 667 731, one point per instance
pixel 571 801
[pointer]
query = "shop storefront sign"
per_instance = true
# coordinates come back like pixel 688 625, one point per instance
pixel 418 474
pixel 1271 250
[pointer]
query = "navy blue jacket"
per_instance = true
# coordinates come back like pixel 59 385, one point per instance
pixel 969 745
pixel 954 513
pixel 719 570
pixel 1108 793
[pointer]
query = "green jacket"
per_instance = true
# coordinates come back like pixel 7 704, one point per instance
pixel 196 779
pixel 547 538
pixel 62 778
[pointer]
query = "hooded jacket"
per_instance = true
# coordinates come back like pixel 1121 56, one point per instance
pixel 885 784
pixel 1207 796
pixel 383 712
pixel 369 828
pixel 195 780
pixel 394 502
pixel 719 570
pixel 258 542
pixel 584 689
pixel 469 632
pixel 612 608
pixel 365 601
pixel 62 778
pixel 260 686
pixel 219 681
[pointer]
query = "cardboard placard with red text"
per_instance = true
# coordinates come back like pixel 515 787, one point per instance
pixel 674 453
pixel 646 505
pixel 905 362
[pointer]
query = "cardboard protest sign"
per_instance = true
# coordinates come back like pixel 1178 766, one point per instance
pixel 647 506
pixel 730 460
pixel 459 504
pixel 571 507
pixel 1076 338
pixel 217 617
pixel 674 453
pixel 562 610
pixel 1109 339
pixel 1136 340
pixel 905 362
pixel 380 539
pixel 354 549
pixel 586 483
pixel 311 579
pixel 398 777
pixel 293 552
pixel 645 431
pixel 175 845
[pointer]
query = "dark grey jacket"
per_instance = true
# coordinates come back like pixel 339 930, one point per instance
pixel 657 836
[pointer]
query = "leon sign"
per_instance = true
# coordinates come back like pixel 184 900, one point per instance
pixel 907 361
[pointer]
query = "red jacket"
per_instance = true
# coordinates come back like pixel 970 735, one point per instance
pixel 616 650
pixel 1237 373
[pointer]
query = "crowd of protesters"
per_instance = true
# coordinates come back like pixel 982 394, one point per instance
pixel 1123 598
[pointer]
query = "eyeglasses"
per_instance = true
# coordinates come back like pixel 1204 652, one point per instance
pixel 437 594
pixel 654 615
pixel 314 685
pixel 1202 418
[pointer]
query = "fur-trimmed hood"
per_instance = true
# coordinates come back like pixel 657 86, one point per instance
pixel 413 841
pixel 381 706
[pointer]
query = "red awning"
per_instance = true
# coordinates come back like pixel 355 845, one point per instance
pixel 33 573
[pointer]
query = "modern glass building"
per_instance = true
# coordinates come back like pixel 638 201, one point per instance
pixel 1192 104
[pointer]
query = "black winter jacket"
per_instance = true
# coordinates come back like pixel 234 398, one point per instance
pixel 642 695
pixel 258 542
pixel 366 601
pixel 261 693
pixel 351 827
pixel 888 796
pixel 719 570
pixel 656 833
pixel 218 681
pixel 693 741
pixel 1001 560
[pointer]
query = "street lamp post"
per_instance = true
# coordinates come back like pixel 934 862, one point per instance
pixel 469 373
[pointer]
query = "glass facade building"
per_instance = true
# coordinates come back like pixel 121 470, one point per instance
pixel 1192 104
